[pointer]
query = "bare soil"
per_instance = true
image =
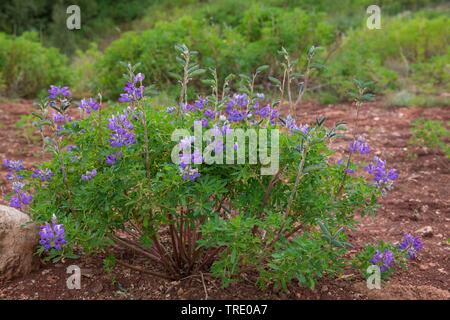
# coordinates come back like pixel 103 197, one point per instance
pixel 420 199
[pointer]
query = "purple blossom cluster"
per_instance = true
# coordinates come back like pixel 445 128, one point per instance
pixel 43 175
pixel 52 235
pixel 291 125
pixel 383 259
pixel 134 90
pixel 58 92
pixel 236 108
pixel 60 119
pixel 89 175
pixel 187 159
pixel 359 145
pixel 13 165
pixel 111 159
pixel 20 198
pixel 411 245
pixel 121 130
pixel 171 109
pixel 382 176
pixel 89 105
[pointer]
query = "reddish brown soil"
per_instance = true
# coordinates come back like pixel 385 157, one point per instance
pixel 421 198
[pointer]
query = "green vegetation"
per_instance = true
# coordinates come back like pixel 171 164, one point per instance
pixel 433 134
pixel 26 67
pixel 407 60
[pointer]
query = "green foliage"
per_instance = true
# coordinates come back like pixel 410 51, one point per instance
pixel 289 226
pixel 413 47
pixel 27 67
pixel 84 77
pixel 254 41
pixel 433 134
pixel 28 130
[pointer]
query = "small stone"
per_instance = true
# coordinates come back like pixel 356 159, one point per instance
pixel 97 288
pixel 426 232
pixel 180 291
pixel 324 288
pixel 423 267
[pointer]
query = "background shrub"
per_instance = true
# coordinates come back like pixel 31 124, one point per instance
pixel 27 67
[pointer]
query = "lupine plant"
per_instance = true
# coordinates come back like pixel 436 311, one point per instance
pixel 112 182
pixel 388 256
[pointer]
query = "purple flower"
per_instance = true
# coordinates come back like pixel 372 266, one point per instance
pixel 132 91
pixel 340 161
pixel 359 145
pixel 124 97
pixel 265 112
pixel 71 147
pixel 171 109
pixel 190 174
pixel 236 116
pixel 13 165
pixel 17 186
pixel 197 157
pixel 57 92
pixel 121 130
pixel 201 103
pixel 52 235
pixel 89 175
pixel 209 113
pixel 60 119
pixel 139 77
pixel 303 128
pixel 205 122
pixel 111 159
pixel 411 245
pixel 19 199
pixel 383 260
pixel 89 105
pixel 186 107
pixel 260 96
pixel 382 177
pixel 290 123
pixel 241 100
pixel 273 116
pixel 44 175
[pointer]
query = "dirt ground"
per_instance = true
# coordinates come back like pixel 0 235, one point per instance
pixel 421 198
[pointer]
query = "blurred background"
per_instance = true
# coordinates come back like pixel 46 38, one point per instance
pixel 408 59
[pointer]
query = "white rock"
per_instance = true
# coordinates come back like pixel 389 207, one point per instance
pixel 18 240
pixel 425 231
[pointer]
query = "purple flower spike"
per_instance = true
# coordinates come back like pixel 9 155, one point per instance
pixel 121 130
pixel 359 145
pixel 411 245
pixel 89 175
pixel 89 105
pixel 58 92
pixel 20 199
pixel 13 165
pixel 43 175
pixel 384 260
pixel 52 235
pixel 382 177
